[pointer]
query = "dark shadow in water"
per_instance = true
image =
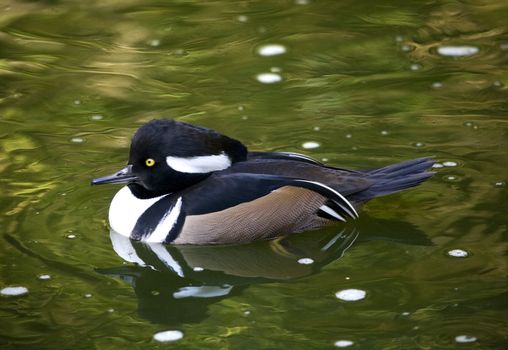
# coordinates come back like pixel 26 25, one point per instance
pixel 177 284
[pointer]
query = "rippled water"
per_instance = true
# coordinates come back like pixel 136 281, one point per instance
pixel 355 84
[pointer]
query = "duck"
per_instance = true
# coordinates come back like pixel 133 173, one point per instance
pixel 188 184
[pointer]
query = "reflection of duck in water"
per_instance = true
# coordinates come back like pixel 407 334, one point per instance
pixel 176 283
pixel 191 185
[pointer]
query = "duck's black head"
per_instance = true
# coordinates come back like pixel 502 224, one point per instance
pixel 167 156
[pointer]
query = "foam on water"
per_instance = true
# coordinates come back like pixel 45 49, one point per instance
pixel 458 51
pixel 305 261
pixel 271 50
pixel 269 78
pixel 343 343
pixel 14 291
pixel 167 336
pixel 351 294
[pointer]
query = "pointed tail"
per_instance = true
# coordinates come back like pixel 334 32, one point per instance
pixel 396 177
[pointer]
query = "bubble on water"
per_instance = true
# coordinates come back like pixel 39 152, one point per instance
pixel 155 42
pixel 305 261
pixel 77 102
pixel 415 67
pixel 167 336
pixel 324 159
pixel 198 269
pixel 246 313
pixel 155 292
pixel 275 70
pixel 77 140
pixel 351 294
pixel 451 178
pixel 271 50
pixel 437 165
pixel 504 46
pixel 497 83
pixel 343 343
pixel 88 295
pixel 244 117
pixel 347 278
pixel 96 117
pixel 180 52
pixel 465 339
pixel 500 184
pixel 458 51
pixel 399 38
pixel 14 291
pixel 302 2
pixel 348 136
pixel 437 85
pixel 240 108
pixel 406 48
pixel 458 253
pixel 242 18
pixel 419 144
pixel 310 145
pixel 469 124
pixel 269 78
pixel 111 310
pixel 71 236
pixel 450 164
pixel 316 128
pixel 384 132
pixel 405 313
pixel 44 277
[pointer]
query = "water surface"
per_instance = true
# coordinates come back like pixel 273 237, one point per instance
pixel 355 84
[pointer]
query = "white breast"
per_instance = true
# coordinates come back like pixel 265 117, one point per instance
pixel 125 210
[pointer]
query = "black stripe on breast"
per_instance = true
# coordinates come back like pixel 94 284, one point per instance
pixel 150 219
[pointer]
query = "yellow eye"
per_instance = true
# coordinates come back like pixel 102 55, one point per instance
pixel 150 162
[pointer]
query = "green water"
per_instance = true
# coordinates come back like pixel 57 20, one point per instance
pixel 368 81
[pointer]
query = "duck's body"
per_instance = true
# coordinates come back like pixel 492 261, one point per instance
pixel 213 191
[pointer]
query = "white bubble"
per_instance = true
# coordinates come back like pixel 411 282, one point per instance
pixel 88 295
pixel 384 132
pixel 348 136
pixel 167 336
pixel 450 164
pixel 271 50
pixel 351 294
pixel 419 144
pixel 44 277
pixel 269 78
pixel 275 70
pixel 451 178
pixel 316 128
pixel 343 343
pixel 324 159
pixel 77 102
pixel 499 184
pixel 302 2
pixel 465 339
pixel 242 18
pixel 155 42
pixel 305 261
pixel 415 67
pixel 71 236
pixel 437 85
pixel 77 140
pixel 97 117
pixel 13 291
pixel 405 313
pixel 437 165
pixel 198 269
pixel 458 253
pixel 310 145
pixel 457 51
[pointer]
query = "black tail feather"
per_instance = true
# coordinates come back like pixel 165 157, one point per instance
pixel 396 177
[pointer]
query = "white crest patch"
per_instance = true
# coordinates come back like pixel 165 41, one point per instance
pixel 166 224
pixel 199 164
pixel 125 210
